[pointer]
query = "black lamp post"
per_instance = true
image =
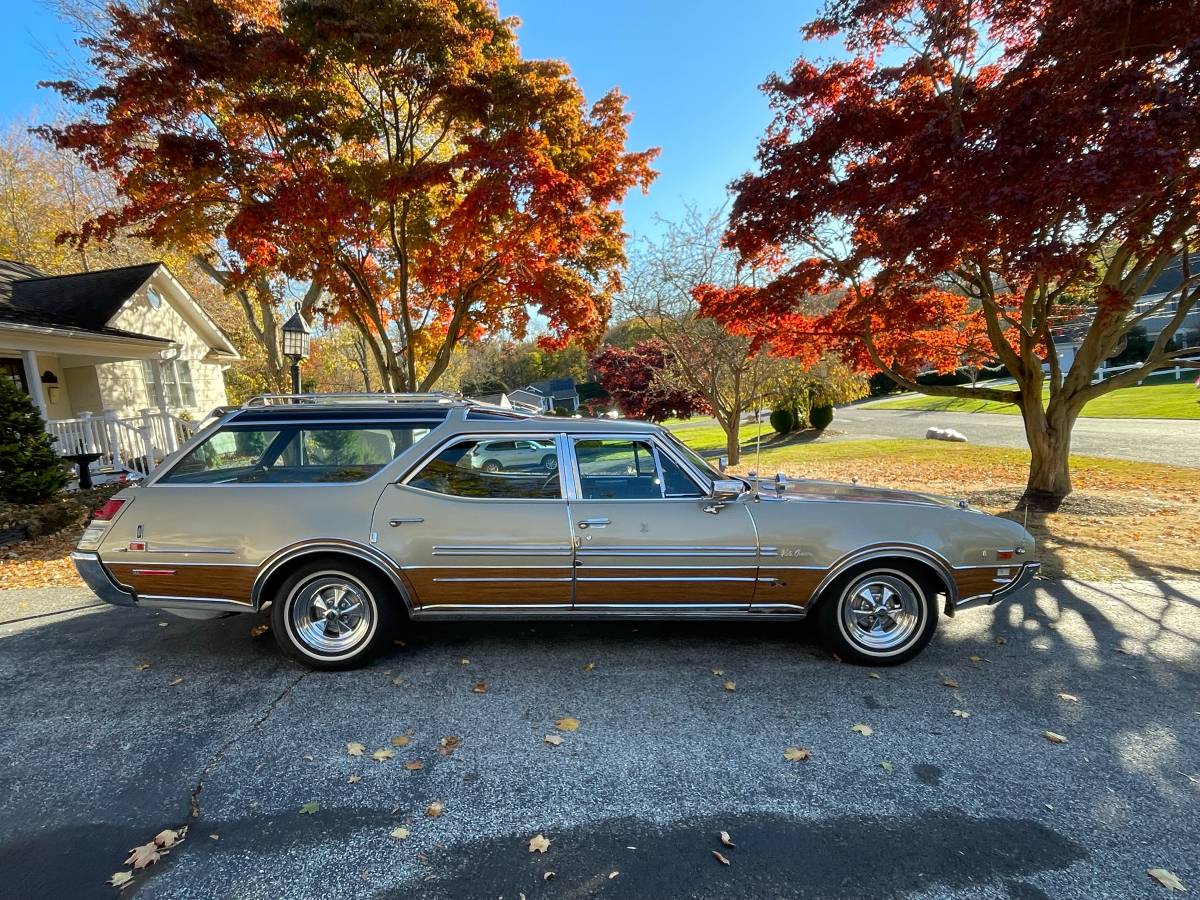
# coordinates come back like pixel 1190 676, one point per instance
pixel 295 345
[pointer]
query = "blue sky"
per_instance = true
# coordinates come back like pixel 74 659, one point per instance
pixel 691 71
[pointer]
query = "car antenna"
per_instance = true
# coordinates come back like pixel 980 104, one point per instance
pixel 758 449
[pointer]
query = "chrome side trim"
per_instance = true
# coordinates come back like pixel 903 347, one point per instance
pixel 96 577
pixel 363 552
pixel 644 550
pixel 602 612
pixel 700 607
pixel 502 550
pixel 533 580
pixel 216 604
pixel 638 579
pixel 224 551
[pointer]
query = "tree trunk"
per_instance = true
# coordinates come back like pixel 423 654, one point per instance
pixel 733 447
pixel 1049 434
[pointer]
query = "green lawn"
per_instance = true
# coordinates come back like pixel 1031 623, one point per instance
pixel 1161 397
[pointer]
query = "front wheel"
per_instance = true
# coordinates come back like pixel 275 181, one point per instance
pixel 881 617
pixel 333 615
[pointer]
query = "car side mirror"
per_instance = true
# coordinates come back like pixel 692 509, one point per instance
pixel 722 491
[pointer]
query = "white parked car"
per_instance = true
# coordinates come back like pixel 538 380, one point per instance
pixel 499 456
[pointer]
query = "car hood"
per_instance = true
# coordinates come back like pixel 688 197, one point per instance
pixel 804 489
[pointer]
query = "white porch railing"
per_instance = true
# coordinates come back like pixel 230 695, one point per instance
pixel 139 442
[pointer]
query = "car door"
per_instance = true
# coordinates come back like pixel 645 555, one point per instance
pixel 469 537
pixel 646 534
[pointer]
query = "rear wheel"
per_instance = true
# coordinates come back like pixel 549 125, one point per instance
pixel 879 616
pixel 549 462
pixel 333 615
pixel 490 465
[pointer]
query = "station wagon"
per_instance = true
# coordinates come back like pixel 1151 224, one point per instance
pixel 350 516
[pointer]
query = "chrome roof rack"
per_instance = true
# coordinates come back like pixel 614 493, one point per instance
pixel 439 397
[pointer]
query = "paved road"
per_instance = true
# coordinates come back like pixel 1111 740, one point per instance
pixel 1174 441
pixel 99 752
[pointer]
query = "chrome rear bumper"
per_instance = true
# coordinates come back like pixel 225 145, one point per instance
pixel 1022 578
pixel 95 576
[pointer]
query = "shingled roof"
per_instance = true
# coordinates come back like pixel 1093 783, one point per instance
pixel 83 302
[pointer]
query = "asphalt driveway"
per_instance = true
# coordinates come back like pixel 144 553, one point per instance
pixel 120 723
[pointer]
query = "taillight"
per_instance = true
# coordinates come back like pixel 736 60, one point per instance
pixel 108 511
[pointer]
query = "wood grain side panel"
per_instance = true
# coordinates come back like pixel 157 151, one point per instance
pixel 499 584
pixel 165 580
pixel 973 582
pixel 782 584
pixel 615 584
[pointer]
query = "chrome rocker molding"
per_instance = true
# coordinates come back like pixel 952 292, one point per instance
pixel 1028 571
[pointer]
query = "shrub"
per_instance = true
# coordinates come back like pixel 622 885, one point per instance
pixel 783 421
pixel 30 470
pixel 820 417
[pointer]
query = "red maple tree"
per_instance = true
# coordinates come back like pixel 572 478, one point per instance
pixel 975 180
pixel 629 377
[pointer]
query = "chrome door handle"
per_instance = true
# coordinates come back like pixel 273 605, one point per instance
pixel 410 520
pixel 594 523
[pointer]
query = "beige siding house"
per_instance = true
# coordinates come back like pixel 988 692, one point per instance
pixel 119 361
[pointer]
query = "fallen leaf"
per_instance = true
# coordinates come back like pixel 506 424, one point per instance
pixel 720 858
pixel 797 754
pixel 864 730
pixel 961 713
pixel 587 667
pixel 398 680
pixel 414 765
pixel 383 753
pixel 434 809
pixel 400 833
pixel 354 748
pixel 464 661
pixel 400 740
pixel 613 874
pixel 215 836
pixel 547 876
pixel 1001 641
pixel 258 631
pixel 1167 879
pixel 169 837
pixel 176 681
pixel 539 844
pixel 309 757
pixel 1053 737
pixel 553 739
pixel 1070 698
pixel 163 624
pixel 887 767
pixel 718 672
pixel 730 686
pixel 726 839
pixel 142 667
pixel 977 659
pixel 120 879
pixel 567 723
pixel 309 808
pixel 448 745
pixel 144 855
pixel 875 675
pixel 354 779
pixel 951 683
pixel 479 688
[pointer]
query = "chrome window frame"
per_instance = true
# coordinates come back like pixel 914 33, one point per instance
pixel 656 446
pixel 458 437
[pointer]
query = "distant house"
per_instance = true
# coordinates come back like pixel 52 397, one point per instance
pixel 118 360
pixel 530 398
pixel 498 398
pixel 559 393
pixel 1070 334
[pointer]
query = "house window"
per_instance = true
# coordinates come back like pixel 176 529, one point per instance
pixel 177 382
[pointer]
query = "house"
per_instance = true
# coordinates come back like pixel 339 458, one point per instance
pixel 1069 334
pixel 559 393
pixel 119 361
pixel 529 398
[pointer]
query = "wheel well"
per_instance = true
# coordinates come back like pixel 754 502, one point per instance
pixel 280 574
pixel 926 574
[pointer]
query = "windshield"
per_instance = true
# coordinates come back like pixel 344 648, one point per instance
pixel 698 461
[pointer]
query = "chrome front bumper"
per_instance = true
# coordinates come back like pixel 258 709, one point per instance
pixel 1022 578
pixel 95 576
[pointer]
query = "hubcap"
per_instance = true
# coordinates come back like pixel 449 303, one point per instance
pixel 331 614
pixel 881 612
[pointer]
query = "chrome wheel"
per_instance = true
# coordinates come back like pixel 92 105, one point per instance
pixel 331 613
pixel 881 612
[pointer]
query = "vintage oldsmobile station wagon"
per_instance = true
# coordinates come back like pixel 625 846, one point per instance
pixel 350 514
